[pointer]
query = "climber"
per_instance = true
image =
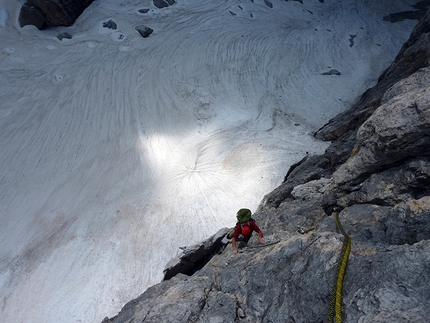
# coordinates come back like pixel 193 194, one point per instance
pixel 244 227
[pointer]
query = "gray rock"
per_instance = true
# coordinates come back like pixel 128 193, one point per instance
pixel 163 3
pixel 64 35
pixel 183 304
pixel 392 186
pixel 192 258
pixel 311 190
pixel 110 24
pixel 331 72
pixel 397 131
pixel 30 15
pixel 268 3
pixel 144 31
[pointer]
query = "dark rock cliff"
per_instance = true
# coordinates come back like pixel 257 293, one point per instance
pixel 376 173
pixel 43 13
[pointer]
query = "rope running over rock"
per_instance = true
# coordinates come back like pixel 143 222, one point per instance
pixel 336 295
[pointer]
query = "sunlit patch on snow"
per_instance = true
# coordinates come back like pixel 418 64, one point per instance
pixel 203 171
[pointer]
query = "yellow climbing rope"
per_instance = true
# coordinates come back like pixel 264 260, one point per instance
pixel 336 295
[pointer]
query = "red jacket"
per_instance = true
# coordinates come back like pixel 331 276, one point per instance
pixel 238 229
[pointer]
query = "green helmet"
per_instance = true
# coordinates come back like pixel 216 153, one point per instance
pixel 243 215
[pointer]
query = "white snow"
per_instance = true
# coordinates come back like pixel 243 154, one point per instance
pixel 118 149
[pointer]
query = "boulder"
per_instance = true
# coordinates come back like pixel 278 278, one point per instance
pixel 43 13
pixel 144 31
pixel 163 3
pixel 397 131
pixel 192 258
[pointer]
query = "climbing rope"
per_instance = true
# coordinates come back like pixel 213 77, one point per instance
pixel 336 295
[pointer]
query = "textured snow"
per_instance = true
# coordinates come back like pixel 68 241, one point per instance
pixel 115 149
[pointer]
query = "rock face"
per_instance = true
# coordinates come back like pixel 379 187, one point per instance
pixel 163 3
pixel 43 13
pixel 376 173
pixel 192 258
pixel 144 31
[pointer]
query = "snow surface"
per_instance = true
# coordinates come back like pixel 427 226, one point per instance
pixel 118 149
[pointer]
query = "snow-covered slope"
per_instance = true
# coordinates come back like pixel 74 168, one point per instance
pixel 118 149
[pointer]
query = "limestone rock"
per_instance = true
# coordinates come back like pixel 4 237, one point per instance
pixel 64 35
pixel 183 303
pixel 310 190
pixel 163 3
pixel 30 15
pixel 144 31
pixel 192 258
pixel 391 186
pixel 398 130
pixel 332 72
pixel 110 24
pixel 277 284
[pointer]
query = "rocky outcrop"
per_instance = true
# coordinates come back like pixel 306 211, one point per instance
pixel 163 3
pixel 43 13
pixel 192 258
pixel 412 56
pixel 376 173
pixel 144 31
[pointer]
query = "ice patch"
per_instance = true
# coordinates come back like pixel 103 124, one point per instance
pixel 125 48
pixel 118 36
pixel 91 44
